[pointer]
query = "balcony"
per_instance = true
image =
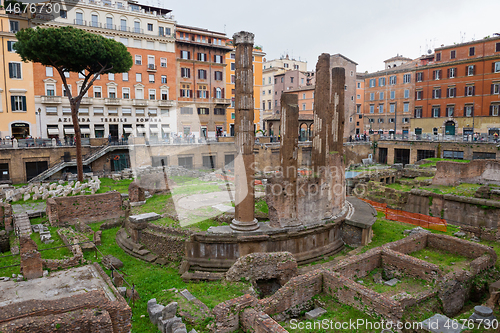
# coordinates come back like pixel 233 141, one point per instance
pixel 224 101
pixel 151 68
pixel 112 101
pixel 165 103
pixel 140 102
pixel 51 99
pixel 86 101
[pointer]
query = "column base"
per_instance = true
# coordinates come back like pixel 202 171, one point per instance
pixel 244 226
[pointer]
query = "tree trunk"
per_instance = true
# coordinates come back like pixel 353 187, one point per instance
pixel 78 140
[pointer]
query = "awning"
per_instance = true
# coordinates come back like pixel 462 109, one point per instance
pixel 166 129
pixel 69 131
pixel 141 130
pixel 85 130
pixel 128 129
pixel 154 129
pixel 53 131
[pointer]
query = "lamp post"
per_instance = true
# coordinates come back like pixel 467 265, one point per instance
pixel 39 113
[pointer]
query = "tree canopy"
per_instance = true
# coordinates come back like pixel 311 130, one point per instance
pixel 73 49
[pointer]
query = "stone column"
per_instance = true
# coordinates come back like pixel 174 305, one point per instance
pixel 244 174
pixel 337 126
pixel 322 138
pixel 289 136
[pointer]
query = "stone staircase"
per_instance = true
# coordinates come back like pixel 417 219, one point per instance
pixel 22 225
pixel 135 250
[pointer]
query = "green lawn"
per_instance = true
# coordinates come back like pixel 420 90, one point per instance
pixel 433 160
pixel 446 261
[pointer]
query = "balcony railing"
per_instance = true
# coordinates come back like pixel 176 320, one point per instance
pixel 140 102
pixel 112 101
pixel 86 101
pixel 151 68
pixel 222 101
pixel 165 102
pixel 51 99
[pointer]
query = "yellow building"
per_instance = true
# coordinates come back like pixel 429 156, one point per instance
pixel 258 56
pixel 17 100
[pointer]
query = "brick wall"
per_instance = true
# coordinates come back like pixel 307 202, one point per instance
pixel 476 171
pixel 166 242
pixel 410 265
pixel 259 322
pixel 409 244
pixel 6 217
pixel 85 208
pixel 459 246
pixel 360 265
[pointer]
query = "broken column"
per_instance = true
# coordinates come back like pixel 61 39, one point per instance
pixel 244 130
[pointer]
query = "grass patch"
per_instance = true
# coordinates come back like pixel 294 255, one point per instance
pixel 432 161
pixel 60 253
pixel 157 203
pixel 386 231
pixel 446 261
pixel 261 206
pixel 408 284
pixel 108 184
pixel 204 225
pixel 400 187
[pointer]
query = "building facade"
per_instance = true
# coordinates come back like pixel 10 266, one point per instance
pixel 360 98
pixel 18 115
pixel 201 82
pixel 141 102
pixel 388 97
pixel 458 90
pixel 338 60
pixel 258 57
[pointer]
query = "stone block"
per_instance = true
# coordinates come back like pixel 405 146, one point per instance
pixel 154 312
pixel 146 217
pixel 169 311
pixel 122 291
pixel 313 314
pixel 391 282
pixel 187 295
pixel 495 286
pixel 437 323
pixel 110 261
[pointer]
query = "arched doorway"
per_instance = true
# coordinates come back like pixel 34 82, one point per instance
pixel 20 130
pixel 303 133
pixel 311 131
pixel 449 128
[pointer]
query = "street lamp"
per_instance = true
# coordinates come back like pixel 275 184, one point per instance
pixel 39 113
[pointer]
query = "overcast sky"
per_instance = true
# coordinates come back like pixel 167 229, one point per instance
pixel 367 32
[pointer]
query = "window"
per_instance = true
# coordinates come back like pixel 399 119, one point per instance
pixel 452 72
pixel 152 94
pixel 494 109
pixel 14 26
pixel 10 45
pixel 407 93
pixel 138 59
pixel 50 89
pixel 381 108
pixel 218 93
pixel 419 94
pixel 303 106
pixel 185 72
pixel 111 76
pixel 204 111
pixel 358 96
pixel 438 56
pixel 393 94
pixel 139 93
pixel 420 76
pixel 202 92
pixel 372 83
pixel 185 91
pixel 392 80
pixel 202 74
pixel 391 120
pixel 139 112
pixel 450 109
pixel 372 108
pixel 137 27
pixel 125 76
pixel 436 93
pixel 470 70
pixel 436 75
pixel 111 92
pixel 109 23
pixel 138 77
pixel 451 92
pixel 495 88
pixel 163 62
pixel 123 24
pixel 381 81
pixel 202 57
pixel 63 14
pixel 406 107
pixel 165 112
pixel 497 47
pixel 233 116
pixel 407 78
pixel 18 103
pixel 15 70
pixel 372 96
pixel 94 20
pixel 406 120
pixel 163 79
pixel 453 54
pixel 233 66
pixel 126 93
pixel 79 18
pixel 164 95
pixel 291 79
pixel 97 92
pixel 219 111
pixel 151 78
pixel 371 120
pixel 435 111
pixel 218 76
pixel 137 43
pixel 151 62
pixel 380 120
pixel 392 108
pixel 472 51
pixel 469 111
pixel 233 79
pixel 495 67
pixel 359 85
pixel 470 90
pixel 218 59
pixel 126 111
pixel 381 95
pixel 185 55
pixel 418 112
pixel 150 27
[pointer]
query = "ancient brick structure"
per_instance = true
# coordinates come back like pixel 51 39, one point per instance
pixel 136 193
pixel 6 216
pixel 76 260
pixel 31 259
pixel 244 131
pixel 85 208
pixel 476 171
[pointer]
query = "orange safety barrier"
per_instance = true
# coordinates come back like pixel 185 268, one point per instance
pixel 421 220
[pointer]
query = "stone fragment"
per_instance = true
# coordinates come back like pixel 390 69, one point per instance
pixel 391 282
pixel 122 291
pixel 187 295
pixel 313 314
pixel 483 314
pixel 440 324
pixel 169 311
pixel 109 261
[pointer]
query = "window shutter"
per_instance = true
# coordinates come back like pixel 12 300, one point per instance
pixel 222 93
pixel 433 75
pixel 447 92
pixel 215 92
pixel 11 70
pixel 491 110
pixel 454 92
pixel 473 69
pixel 180 93
pixel 466 70
pixel 493 67
pixel 472 111
pixel 190 93
pixel 24 102
pixel 12 103
pixel 439 112
pixel 189 54
pixel 465 91
pixel 492 89
pixel 473 90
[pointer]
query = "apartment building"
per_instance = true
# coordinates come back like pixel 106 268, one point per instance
pixel 388 97
pixel 360 98
pixel 141 102
pixel 18 115
pixel 305 97
pixel 339 60
pixel 258 56
pixel 201 73
pixel 288 81
pixel 457 90
pixel 269 70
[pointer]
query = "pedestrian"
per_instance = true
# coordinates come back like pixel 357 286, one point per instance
pixel 109 138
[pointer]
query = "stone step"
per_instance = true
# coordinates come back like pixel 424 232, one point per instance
pixel 22 224
pixel 202 276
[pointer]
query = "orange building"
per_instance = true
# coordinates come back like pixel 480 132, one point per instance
pixel 360 99
pixel 258 56
pixel 201 84
pixel 458 90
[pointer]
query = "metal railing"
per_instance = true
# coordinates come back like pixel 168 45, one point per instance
pixel 476 138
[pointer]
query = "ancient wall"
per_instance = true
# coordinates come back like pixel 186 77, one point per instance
pixel 475 172
pixel 409 265
pixel 165 242
pixel 360 265
pixel 6 216
pixel 77 259
pixel 85 208
pixel 259 322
